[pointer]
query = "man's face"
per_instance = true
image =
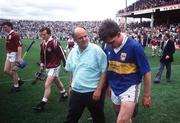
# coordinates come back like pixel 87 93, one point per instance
pixel 44 35
pixel 7 28
pixel 115 41
pixel 81 38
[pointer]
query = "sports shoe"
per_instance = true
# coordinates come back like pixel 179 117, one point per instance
pixel 90 118
pixel 63 96
pixel 156 81
pixel 15 89
pixel 20 82
pixel 168 80
pixel 39 107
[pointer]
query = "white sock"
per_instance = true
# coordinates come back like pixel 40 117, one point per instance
pixel 44 99
pixel 63 91
pixel 16 85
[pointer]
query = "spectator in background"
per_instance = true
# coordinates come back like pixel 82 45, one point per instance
pixel 154 46
pixel 168 49
pixel 70 45
pixel 14 52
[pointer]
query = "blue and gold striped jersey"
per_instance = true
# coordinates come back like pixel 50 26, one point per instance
pixel 127 66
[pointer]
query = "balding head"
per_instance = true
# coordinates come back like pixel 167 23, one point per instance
pixel 81 37
pixel 77 31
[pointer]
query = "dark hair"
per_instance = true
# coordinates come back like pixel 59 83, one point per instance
pixel 108 29
pixel 46 29
pixel 8 24
pixel 167 35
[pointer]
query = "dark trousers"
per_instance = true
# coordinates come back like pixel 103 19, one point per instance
pixel 160 70
pixel 77 104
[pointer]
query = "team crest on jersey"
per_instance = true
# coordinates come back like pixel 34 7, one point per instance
pixel 109 53
pixel 123 56
pixel 49 49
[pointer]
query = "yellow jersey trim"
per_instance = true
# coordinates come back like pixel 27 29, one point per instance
pixel 122 68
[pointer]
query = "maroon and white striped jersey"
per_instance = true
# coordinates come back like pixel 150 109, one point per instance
pixel 13 42
pixel 52 53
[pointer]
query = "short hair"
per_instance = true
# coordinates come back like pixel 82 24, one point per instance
pixel 8 24
pixel 108 29
pixel 73 31
pixel 46 29
pixel 167 35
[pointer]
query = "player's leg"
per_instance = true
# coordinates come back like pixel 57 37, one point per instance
pixel 126 112
pixel 47 90
pixel 59 84
pixel 7 68
pixel 125 103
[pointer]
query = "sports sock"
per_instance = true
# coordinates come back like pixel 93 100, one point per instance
pixel 44 99
pixel 63 91
pixel 16 85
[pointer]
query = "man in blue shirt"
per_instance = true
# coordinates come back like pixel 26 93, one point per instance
pixel 127 64
pixel 87 63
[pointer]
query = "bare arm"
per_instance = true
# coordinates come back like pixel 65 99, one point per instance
pixel 70 84
pixel 19 53
pixel 97 93
pixel 147 90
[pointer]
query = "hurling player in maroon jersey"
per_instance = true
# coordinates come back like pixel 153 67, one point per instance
pixel 51 56
pixel 14 51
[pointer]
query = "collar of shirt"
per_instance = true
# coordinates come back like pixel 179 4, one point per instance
pixel 123 43
pixel 11 32
pixel 46 42
pixel 79 52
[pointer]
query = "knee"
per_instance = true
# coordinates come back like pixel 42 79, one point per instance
pixel 7 71
pixel 121 120
pixel 47 85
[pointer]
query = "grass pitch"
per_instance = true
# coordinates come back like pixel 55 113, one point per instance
pixel 17 108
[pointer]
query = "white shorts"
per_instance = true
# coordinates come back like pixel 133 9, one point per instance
pixel 154 47
pixel 53 71
pixel 130 95
pixel 12 57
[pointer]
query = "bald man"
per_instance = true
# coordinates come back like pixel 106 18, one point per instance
pixel 87 64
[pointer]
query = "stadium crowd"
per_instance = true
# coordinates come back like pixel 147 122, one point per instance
pixel 142 33
pixel 60 29
pixel 145 4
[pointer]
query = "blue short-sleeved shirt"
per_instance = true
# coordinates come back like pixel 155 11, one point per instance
pixel 86 67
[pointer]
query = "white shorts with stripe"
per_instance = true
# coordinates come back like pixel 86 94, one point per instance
pixel 130 95
pixel 12 57
pixel 53 71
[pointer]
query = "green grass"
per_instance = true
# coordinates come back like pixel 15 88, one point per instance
pixel 17 108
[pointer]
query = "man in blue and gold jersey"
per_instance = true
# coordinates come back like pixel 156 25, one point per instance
pixel 127 64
